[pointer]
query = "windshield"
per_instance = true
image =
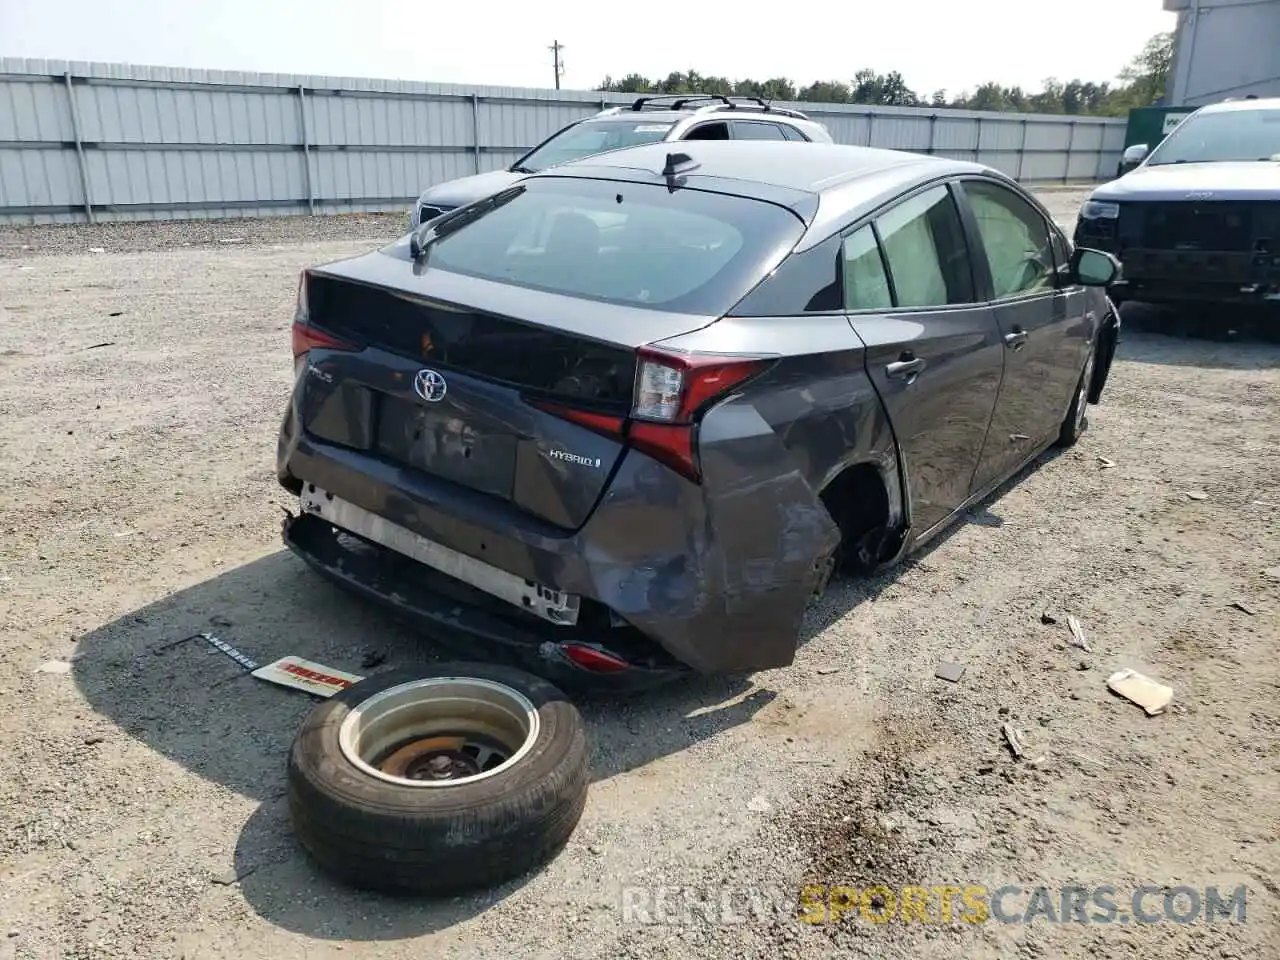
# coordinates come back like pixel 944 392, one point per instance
pixel 593 136
pixel 1217 137
pixel 638 245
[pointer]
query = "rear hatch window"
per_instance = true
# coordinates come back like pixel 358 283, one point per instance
pixel 638 245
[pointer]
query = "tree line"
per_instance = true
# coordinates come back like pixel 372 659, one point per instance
pixel 1141 83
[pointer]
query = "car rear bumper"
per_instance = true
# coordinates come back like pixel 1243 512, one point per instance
pixel 716 575
pixel 463 621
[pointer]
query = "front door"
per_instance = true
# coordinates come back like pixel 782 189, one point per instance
pixel 1042 327
pixel 934 355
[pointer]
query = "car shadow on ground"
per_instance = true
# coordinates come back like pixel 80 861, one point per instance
pixel 1221 337
pixel 193 704
pixel 197 707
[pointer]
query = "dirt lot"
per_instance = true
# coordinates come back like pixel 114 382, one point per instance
pixel 141 810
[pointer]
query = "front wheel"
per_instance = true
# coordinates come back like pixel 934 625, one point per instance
pixel 1077 418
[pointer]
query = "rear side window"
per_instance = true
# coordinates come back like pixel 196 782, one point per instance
pixel 866 285
pixel 925 248
pixel 625 243
pixel 756 130
pixel 791 133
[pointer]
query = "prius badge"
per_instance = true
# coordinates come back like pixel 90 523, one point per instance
pixel 429 385
pixel 1201 195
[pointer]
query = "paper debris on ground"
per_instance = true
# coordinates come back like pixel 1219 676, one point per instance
pixel 306 675
pixel 1105 464
pixel 54 666
pixel 1077 634
pixel 1153 697
pixel 1014 740
pixel 951 672
pixel 1197 495
pixel 1244 606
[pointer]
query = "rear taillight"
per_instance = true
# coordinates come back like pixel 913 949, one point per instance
pixel 309 338
pixel 593 658
pixel 306 337
pixel 671 391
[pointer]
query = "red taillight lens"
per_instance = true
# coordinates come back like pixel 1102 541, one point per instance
pixel 306 337
pixel 671 390
pixel 589 658
pixel 600 423
pixel 309 338
pixel 674 387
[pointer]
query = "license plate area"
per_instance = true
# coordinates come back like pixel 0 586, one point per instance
pixel 438 441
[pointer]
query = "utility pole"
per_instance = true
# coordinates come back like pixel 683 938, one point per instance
pixel 555 49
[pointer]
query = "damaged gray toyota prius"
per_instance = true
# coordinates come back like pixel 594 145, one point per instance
pixel 621 421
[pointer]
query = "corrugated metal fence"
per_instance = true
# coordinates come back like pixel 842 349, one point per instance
pixel 117 142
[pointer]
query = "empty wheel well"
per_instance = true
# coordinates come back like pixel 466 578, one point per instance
pixel 859 504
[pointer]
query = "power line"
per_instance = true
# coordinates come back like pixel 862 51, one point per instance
pixel 555 49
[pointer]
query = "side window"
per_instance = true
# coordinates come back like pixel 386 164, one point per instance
pixel 1016 238
pixel 756 130
pixel 866 285
pixel 926 252
pixel 791 133
pixel 708 131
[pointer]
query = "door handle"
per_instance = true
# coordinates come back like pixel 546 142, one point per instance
pixel 904 369
pixel 1016 339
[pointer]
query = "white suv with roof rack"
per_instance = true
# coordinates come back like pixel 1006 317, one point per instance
pixel 648 119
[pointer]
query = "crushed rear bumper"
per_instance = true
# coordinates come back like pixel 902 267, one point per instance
pixel 455 615
pixel 716 577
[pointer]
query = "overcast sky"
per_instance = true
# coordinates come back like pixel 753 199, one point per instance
pixel 933 43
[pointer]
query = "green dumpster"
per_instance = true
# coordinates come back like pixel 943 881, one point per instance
pixel 1150 125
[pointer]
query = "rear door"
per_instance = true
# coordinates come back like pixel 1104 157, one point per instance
pixel 933 353
pixel 1042 324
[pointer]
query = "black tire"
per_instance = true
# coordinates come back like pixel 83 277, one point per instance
pixel 1077 419
pixel 439 840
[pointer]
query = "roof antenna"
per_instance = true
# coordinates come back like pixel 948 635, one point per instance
pixel 676 161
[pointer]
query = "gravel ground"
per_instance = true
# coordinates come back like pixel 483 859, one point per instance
pixel 141 810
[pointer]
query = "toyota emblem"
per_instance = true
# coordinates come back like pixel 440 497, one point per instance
pixel 430 386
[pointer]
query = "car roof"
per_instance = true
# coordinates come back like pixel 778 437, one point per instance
pixel 1235 106
pixel 809 167
pixel 826 185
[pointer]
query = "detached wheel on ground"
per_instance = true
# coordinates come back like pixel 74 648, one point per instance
pixel 438 780
pixel 1077 418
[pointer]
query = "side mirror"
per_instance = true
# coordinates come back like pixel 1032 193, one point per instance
pixel 1094 268
pixel 1133 157
pixel 1136 153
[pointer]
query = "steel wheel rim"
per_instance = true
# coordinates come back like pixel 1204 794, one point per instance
pixel 439 732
